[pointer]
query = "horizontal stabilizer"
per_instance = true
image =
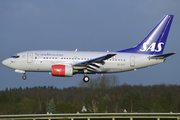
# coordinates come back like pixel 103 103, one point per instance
pixel 161 56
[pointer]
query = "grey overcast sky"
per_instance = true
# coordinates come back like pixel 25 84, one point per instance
pixel 89 25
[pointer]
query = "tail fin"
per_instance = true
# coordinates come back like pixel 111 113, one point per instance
pixel 155 41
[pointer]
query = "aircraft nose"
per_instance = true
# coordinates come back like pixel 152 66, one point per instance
pixel 6 62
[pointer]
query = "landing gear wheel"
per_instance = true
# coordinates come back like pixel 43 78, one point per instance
pixel 24 77
pixel 86 79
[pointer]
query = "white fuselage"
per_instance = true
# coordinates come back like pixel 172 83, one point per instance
pixel 42 61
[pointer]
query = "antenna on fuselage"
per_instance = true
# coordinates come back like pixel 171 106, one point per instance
pixel 76 49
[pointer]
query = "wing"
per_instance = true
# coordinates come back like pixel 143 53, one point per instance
pixel 94 64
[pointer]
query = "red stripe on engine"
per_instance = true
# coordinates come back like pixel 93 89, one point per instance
pixel 58 70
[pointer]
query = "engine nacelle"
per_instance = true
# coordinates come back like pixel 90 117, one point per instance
pixel 62 70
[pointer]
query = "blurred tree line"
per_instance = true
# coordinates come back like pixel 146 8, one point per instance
pixel 103 94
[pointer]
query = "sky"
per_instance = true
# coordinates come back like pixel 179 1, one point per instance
pixel 89 25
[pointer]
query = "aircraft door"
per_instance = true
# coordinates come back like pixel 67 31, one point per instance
pixel 29 57
pixel 132 60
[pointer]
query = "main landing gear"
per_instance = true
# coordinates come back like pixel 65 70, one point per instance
pixel 86 78
pixel 24 76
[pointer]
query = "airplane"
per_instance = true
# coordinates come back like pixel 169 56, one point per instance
pixel 68 63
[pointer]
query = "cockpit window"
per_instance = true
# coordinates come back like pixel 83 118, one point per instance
pixel 15 56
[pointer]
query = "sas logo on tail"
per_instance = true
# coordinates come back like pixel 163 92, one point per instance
pixel 152 47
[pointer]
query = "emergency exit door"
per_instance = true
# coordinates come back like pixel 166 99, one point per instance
pixel 132 60
pixel 29 57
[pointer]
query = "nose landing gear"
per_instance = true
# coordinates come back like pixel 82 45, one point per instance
pixel 24 76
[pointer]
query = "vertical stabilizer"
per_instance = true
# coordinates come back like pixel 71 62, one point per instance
pixel 155 41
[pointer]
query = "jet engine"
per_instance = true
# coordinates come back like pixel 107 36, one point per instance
pixel 62 70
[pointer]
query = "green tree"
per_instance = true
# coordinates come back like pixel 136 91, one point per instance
pixel 106 102
pixel 63 107
pixel 87 102
pixel 51 107
pixel 137 102
pixel 16 109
